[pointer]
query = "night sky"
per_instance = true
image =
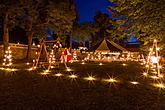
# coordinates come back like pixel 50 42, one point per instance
pixel 88 8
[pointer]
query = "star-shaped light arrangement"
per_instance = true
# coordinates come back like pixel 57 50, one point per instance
pixel 134 82
pixel 90 78
pixel 73 77
pixel 111 80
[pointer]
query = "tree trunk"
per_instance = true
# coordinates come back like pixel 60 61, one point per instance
pixel 29 51
pixel 70 41
pixel 30 35
pixel 5 32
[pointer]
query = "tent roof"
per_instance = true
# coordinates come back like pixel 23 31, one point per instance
pixel 103 46
pixel 107 46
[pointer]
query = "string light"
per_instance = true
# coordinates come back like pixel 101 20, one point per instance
pixel 33 68
pixel 145 74
pixel 153 60
pixel 147 66
pixel 154 77
pixel 7 61
pixel 27 63
pixel 2 68
pixel 51 57
pixel 9 69
pixel 158 49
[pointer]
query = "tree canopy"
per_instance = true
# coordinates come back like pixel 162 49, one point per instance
pixel 102 23
pixel 146 16
pixel 56 14
pixel 10 10
pixel 60 15
pixel 84 31
pixel 35 16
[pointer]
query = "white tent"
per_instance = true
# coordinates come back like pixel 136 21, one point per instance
pixel 109 46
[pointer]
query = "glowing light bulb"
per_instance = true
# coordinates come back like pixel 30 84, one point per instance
pixel 10 64
pixel 155 40
pixel 147 66
pixel 111 80
pixel 154 77
pixel 134 82
pixel 44 73
pixel 47 71
pixel 159 66
pixel 90 78
pixel 68 69
pixel 124 64
pixel 73 76
pixel 13 69
pixel 100 64
pixel 158 49
pixel 145 74
pixel 151 49
pixel 30 69
pixel 58 74
pixel 52 67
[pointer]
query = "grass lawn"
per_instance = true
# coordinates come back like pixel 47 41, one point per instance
pixel 29 90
